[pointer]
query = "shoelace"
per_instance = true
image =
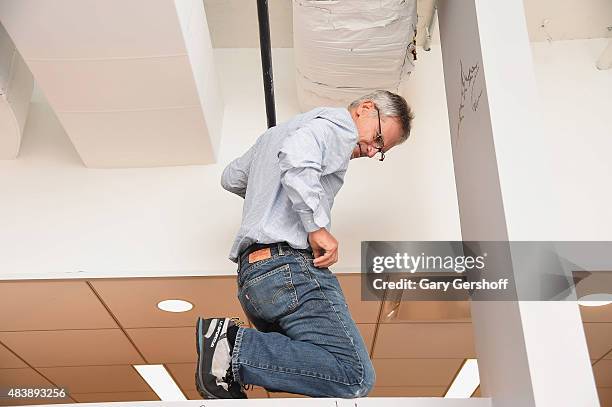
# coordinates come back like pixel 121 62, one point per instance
pixel 237 321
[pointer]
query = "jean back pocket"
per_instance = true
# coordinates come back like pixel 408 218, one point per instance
pixel 270 295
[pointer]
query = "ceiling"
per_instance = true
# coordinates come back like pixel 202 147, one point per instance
pixel 100 327
pixel 233 23
pixel 128 95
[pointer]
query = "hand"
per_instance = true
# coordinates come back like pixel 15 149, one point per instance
pixel 324 246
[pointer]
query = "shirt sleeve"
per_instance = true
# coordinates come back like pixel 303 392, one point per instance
pixel 301 158
pixel 235 176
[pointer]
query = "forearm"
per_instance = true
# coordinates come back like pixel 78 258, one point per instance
pixel 307 197
pixel 235 176
pixel 301 160
pixel 232 182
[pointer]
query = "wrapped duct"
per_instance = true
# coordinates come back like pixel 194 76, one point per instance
pixel 16 85
pixel 347 48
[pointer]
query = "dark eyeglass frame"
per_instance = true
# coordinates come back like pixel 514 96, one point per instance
pixel 379 141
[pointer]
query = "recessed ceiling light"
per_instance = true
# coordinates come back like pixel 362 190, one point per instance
pixel 466 382
pixel 174 305
pixel 595 300
pixel 160 381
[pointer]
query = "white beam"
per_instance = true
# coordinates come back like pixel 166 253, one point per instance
pixel 16 85
pixel 133 83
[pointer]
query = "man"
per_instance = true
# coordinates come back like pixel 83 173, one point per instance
pixel 306 341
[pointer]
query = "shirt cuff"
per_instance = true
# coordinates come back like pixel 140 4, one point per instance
pixel 307 219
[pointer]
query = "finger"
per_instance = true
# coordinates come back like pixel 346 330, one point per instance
pixel 335 258
pixel 332 261
pixel 328 259
pixel 322 260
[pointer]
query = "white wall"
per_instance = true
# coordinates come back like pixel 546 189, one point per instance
pixel 57 217
pixel 576 104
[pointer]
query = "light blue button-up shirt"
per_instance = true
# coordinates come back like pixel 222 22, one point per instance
pixel 290 176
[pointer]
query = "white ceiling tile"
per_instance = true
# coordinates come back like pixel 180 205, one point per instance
pixel 233 23
pixel 140 138
pixel 567 19
pixel 116 84
pixel 92 28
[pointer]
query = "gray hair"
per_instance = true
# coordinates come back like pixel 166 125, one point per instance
pixel 390 105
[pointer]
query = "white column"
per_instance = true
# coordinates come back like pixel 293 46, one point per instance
pixel 529 353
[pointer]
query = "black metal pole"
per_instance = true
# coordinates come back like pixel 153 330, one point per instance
pixel 266 60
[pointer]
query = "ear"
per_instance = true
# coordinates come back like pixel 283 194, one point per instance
pixel 365 107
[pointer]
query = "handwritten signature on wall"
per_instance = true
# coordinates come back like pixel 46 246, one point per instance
pixel 468 85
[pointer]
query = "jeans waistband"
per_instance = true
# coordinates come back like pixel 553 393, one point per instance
pixel 279 248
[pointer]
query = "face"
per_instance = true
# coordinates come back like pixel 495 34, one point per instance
pixel 371 137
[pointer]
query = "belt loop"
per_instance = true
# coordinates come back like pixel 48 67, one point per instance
pixel 280 249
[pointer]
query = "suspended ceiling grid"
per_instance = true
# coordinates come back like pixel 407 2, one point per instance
pixel 85 335
pixel 94 330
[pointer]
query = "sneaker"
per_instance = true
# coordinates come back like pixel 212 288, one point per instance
pixel 235 389
pixel 214 378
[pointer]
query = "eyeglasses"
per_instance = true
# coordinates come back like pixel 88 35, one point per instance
pixel 379 142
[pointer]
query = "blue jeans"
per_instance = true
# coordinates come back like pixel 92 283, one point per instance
pixel 306 341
